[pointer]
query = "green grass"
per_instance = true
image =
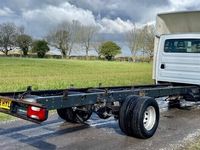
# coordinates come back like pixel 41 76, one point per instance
pixel 18 73
pixel 5 117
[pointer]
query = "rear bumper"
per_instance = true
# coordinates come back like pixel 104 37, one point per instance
pixel 18 108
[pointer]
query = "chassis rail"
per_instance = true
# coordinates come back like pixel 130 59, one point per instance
pixel 56 99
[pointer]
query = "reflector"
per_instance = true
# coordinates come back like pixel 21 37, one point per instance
pixel 37 113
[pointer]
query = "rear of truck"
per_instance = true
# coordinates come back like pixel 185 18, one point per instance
pixel 23 108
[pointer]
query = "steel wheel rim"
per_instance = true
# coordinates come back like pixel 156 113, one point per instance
pixel 149 118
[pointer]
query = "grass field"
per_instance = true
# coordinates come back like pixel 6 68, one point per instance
pixel 18 73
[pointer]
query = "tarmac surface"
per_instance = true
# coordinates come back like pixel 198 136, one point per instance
pixel 177 128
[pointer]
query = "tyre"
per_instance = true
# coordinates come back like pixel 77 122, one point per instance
pixel 124 114
pixel 77 115
pixel 139 117
pixel 67 114
pixel 145 118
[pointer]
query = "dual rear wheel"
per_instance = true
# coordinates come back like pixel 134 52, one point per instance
pixel 139 116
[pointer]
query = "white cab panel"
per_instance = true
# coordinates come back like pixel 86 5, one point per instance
pixel 178 67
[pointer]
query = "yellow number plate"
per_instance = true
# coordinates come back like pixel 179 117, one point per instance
pixel 5 104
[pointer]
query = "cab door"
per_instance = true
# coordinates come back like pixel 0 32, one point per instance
pixel 179 59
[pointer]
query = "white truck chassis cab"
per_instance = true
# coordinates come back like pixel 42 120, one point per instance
pixel 177 48
pixel 178 59
pixel 176 71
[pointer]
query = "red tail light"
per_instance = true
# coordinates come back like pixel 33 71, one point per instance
pixel 37 113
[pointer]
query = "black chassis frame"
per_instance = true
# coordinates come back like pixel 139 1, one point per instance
pixel 56 99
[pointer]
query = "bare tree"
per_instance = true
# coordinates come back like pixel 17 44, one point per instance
pixel 24 41
pixel 96 44
pixel 86 35
pixel 21 30
pixel 63 37
pixel 148 36
pixel 59 38
pixel 8 33
pixel 74 27
pixel 133 38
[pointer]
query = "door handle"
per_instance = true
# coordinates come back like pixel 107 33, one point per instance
pixel 162 66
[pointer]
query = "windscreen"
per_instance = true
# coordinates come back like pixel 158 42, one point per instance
pixel 182 46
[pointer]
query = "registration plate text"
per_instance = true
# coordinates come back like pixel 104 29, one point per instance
pixel 5 104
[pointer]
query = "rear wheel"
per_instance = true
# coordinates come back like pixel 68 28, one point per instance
pixel 139 117
pixel 145 118
pixel 125 115
pixel 75 115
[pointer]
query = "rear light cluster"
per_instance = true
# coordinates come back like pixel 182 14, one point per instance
pixel 37 113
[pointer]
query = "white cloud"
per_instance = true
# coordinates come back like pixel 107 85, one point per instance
pixel 63 12
pixel 115 26
pixel 183 4
pixel 5 12
pixel 112 16
pixel 47 17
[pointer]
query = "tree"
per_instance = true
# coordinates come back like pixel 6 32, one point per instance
pixel 40 47
pixel 86 34
pixel 148 36
pixel 96 44
pixel 133 38
pixel 63 37
pixel 8 33
pixel 60 40
pixel 109 49
pixel 74 28
pixel 24 41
